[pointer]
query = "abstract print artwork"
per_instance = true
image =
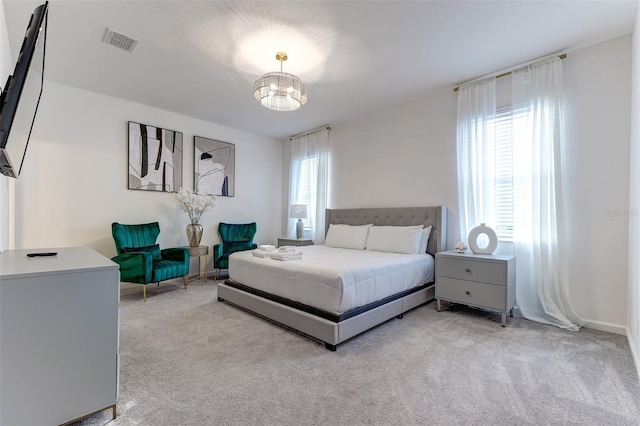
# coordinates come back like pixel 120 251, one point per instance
pixel 214 167
pixel 155 158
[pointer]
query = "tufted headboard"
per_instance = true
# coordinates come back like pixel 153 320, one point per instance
pixel 397 216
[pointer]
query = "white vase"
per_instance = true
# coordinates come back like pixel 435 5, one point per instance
pixel 482 229
pixel 194 234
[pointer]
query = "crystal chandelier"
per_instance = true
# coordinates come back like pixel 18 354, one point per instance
pixel 280 91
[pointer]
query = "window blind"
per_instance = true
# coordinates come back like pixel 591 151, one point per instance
pixel 306 193
pixel 510 178
pixel 503 174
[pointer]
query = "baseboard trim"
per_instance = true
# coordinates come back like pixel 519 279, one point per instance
pixel 605 326
pixel 634 353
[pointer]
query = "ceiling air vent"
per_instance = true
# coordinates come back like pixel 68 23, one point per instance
pixel 120 41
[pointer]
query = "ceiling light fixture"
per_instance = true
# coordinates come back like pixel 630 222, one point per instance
pixel 280 91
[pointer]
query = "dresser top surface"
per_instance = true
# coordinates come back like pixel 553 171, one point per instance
pixel 473 256
pixel 16 263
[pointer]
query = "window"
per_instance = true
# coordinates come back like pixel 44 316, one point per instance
pixel 510 178
pixel 308 181
pixel 306 194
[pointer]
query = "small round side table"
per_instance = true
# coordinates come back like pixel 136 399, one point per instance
pixel 199 252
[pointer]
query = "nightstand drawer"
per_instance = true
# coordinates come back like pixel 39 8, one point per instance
pixel 472 270
pixel 471 293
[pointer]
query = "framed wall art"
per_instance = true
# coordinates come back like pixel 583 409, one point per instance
pixel 214 167
pixel 155 158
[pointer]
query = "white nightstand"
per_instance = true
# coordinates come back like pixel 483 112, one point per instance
pixel 294 242
pixel 484 281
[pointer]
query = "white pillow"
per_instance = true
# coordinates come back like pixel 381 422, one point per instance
pixel 424 240
pixel 347 236
pixel 395 239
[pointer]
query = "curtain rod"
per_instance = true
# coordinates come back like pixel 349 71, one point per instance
pixel 308 132
pixel 504 74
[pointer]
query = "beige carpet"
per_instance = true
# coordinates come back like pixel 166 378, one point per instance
pixel 187 359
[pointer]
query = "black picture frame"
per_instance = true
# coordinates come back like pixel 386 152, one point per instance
pixel 214 167
pixel 155 158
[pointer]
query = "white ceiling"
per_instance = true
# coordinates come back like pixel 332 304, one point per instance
pixel 200 58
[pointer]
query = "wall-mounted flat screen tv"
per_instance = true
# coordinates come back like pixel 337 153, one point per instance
pixel 21 95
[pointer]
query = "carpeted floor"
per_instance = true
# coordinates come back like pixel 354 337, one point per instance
pixel 187 359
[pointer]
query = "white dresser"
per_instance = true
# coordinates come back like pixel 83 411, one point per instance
pixel 485 281
pixel 59 335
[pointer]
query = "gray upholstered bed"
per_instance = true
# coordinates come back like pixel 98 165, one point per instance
pixel 333 330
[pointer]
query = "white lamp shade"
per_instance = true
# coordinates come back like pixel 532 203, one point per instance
pixel 299 211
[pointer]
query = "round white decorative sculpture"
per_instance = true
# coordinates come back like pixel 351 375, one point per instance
pixel 482 229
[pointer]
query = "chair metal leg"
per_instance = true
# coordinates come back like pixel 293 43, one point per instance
pixel 144 291
pixel 185 280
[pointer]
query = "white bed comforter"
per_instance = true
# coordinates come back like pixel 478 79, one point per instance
pixel 335 280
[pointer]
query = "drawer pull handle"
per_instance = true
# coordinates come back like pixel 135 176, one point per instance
pixel 468 270
pixel 467 293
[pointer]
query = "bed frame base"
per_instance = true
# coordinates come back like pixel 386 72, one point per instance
pixel 329 332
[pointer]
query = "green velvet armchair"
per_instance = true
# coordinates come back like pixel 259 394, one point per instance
pixel 140 258
pixel 235 237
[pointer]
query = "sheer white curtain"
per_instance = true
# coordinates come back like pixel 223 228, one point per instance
pixel 475 145
pixel 539 240
pixel 542 289
pixel 308 180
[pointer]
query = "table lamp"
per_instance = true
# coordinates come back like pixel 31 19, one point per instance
pixel 299 211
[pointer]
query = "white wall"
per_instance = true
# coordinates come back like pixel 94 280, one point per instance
pixel 634 203
pixel 6 69
pixel 597 83
pixel 403 157
pixel 6 61
pixel 74 179
pixel 407 157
